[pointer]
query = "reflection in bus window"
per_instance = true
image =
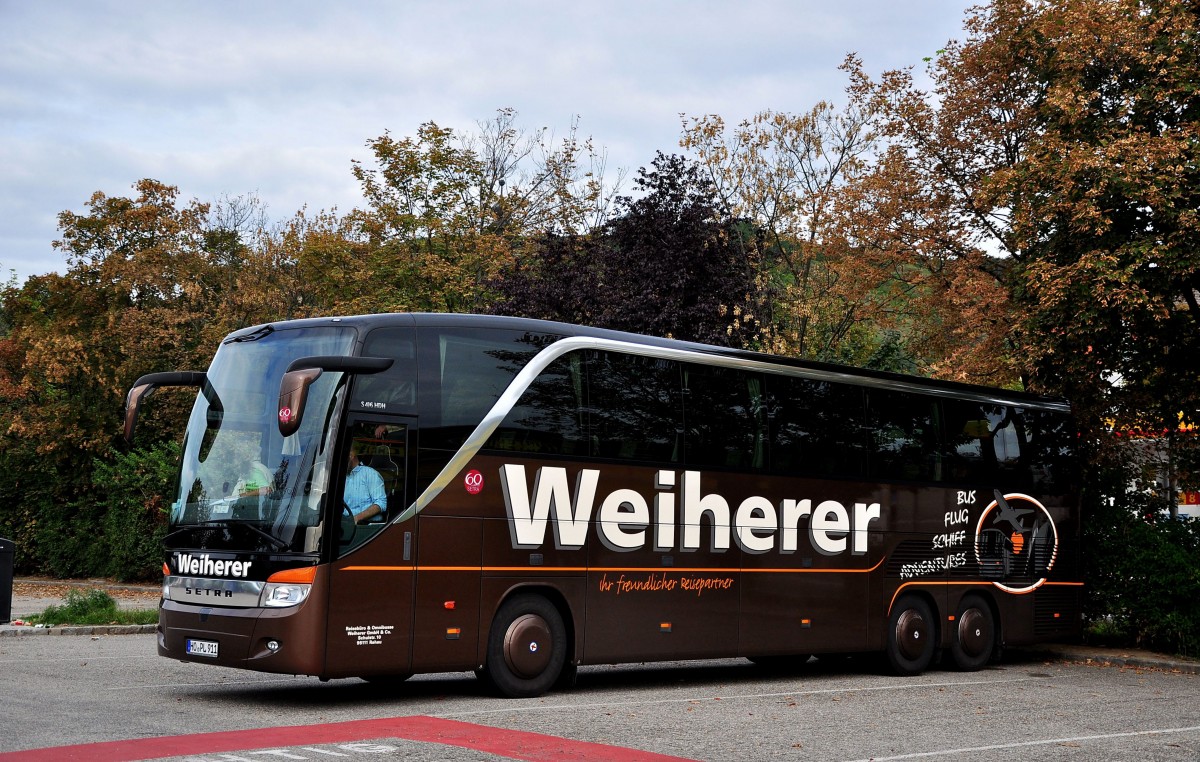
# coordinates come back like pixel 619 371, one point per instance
pixel 550 418
pixel 983 441
pixel 905 436
pixel 467 373
pixel 725 416
pixel 816 427
pixel 635 408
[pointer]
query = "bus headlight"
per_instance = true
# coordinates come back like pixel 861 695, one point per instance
pixel 279 595
pixel 288 588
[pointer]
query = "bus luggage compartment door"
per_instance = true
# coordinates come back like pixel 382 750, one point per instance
pixel 370 609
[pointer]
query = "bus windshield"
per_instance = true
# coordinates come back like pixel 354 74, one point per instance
pixel 243 486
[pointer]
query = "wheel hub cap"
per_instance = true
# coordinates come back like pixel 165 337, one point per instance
pixel 526 646
pixel 912 634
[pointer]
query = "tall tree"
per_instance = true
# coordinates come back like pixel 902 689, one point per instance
pixel 833 290
pixel 446 210
pixel 668 264
pixel 674 263
pixel 1064 133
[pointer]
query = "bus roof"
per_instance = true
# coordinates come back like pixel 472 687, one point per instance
pixel 846 373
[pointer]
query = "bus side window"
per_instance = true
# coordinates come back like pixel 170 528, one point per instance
pixel 725 417
pixel 1049 440
pixel 635 407
pixel 816 427
pixel 463 372
pixel 905 436
pixel 550 418
pixel 967 443
pixel 394 390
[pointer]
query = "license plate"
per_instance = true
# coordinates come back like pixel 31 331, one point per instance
pixel 202 647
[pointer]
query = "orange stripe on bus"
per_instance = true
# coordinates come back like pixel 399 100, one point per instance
pixel 629 569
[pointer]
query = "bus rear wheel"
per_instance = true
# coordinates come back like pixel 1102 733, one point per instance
pixel 527 647
pixel 974 635
pixel 910 636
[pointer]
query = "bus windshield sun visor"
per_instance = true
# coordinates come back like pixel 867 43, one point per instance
pixel 145 386
pixel 343 364
pixel 293 389
pixel 251 335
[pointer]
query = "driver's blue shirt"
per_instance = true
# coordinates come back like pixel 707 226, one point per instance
pixel 364 488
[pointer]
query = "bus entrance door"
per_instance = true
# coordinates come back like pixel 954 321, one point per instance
pixel 371 585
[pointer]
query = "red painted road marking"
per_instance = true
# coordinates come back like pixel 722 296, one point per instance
pixel 515 744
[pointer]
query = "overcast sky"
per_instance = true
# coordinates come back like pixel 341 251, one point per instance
pixel 276 98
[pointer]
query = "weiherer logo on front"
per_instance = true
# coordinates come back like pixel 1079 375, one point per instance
pixel 203 566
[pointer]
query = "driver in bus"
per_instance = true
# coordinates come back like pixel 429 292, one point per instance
pixel 365 495
pixel 258 480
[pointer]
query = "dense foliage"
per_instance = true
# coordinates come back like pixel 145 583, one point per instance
pixel 1030 222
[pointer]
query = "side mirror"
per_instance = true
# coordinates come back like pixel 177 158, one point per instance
pixel 300 375
pixel 293 395
pixel 146 385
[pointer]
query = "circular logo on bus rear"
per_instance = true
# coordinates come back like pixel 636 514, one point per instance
pixel 1016 542
pixel 473 481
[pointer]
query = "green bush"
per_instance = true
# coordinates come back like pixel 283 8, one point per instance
pixel 106 518
pixel 134 490
pixel 92 607
pixel 1142 568
pixel 28 486
pixel 68 541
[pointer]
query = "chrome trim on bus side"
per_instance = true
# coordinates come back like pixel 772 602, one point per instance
pixel 211 591
pixel 542 360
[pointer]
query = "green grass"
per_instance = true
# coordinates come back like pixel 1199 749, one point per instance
pixel 92 607
pixel 1106 633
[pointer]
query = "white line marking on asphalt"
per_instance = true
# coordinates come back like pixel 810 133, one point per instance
pixel 713 697
pixel 1044 742
pixel 77 658
pixel 208 685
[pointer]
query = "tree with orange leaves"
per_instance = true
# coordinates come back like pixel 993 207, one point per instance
pixel 1064 138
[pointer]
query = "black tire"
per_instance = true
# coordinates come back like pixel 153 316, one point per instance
pixel 527 647
pixel 974 634
pixel 567 677
pixel 911 636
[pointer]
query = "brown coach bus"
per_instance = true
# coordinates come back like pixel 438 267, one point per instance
pixel 549 495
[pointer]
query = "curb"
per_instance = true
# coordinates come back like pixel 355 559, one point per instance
pixel 1182 666
pixel 7 631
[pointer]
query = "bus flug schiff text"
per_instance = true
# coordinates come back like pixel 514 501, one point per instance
pixel 544 496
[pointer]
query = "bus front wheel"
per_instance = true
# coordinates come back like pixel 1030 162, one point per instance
pixel 910 636
pixel 527 647
pixel 974 634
